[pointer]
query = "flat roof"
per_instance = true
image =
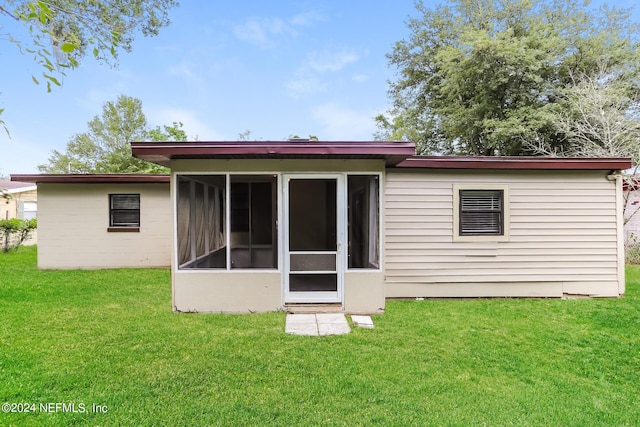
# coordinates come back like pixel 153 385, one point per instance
pixel 93 178
pixel 550 163
pixel 418 162
pixel 163 152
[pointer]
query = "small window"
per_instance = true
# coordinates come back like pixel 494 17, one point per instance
pixel 27 210
pixel 481 213
pixel 124 212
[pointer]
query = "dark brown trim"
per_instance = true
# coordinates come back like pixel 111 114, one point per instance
pixel 550 163
pixel 93 178
pixel 123 229
pixel 163 152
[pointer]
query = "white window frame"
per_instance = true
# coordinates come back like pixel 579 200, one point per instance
pixel 504 237
pixel 30 210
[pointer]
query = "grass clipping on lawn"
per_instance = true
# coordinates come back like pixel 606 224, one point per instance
pixel 109 338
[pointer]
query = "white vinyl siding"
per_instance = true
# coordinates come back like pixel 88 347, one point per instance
pixel 562 235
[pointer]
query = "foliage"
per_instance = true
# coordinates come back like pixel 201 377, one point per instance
pixel 105 147
pixel 244 136
pixel 632 250
pixel 109 337
pixel 310 138
pixel 600 118
pixel 487 77
pixel 14 232
pixel 167 133
pixel 63 31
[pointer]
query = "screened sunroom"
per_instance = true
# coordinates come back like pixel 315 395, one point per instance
pixel 265 225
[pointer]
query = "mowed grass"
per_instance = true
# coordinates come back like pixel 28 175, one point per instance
pixel 110 338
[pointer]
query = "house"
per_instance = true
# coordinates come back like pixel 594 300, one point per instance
pixel 21 203
pixel 631 187
pixel 260 226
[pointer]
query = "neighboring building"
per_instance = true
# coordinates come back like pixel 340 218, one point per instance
pixel 22 203
pixel 632 211
pixel 259 226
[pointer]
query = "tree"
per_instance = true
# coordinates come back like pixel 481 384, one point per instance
pixel 485 77
pixel 105 147
pixel 600 117
pixel 63 31
pixel 244 136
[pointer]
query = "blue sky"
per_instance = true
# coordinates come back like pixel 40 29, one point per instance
pixel 275 68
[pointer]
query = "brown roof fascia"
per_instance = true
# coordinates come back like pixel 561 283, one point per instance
pixel 542 163
pixel 163 152
pixel 93 178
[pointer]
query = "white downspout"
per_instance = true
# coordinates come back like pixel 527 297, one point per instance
pixel 617 176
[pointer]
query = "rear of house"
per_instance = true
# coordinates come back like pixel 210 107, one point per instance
pixel 273 225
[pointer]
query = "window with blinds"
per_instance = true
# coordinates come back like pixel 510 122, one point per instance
pixel 481 212
pixel 124 210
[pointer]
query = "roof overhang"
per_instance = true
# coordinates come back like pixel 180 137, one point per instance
pixel 127 178
pixel 543 163
pixel 163 152
pixel 15 187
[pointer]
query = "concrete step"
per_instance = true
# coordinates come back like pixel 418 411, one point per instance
pixel 317 324
pixel 313 308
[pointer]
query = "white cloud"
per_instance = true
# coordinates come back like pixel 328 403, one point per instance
pixel 188 72
pixel 263 32
pixel 308 77
pixel 305 86
pixel 360 78
pixel 183 70
pixel 331 61
pixel 341 123
pixel 192 125
pixel 306 18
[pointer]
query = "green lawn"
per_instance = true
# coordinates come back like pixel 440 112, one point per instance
pixel 110 338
